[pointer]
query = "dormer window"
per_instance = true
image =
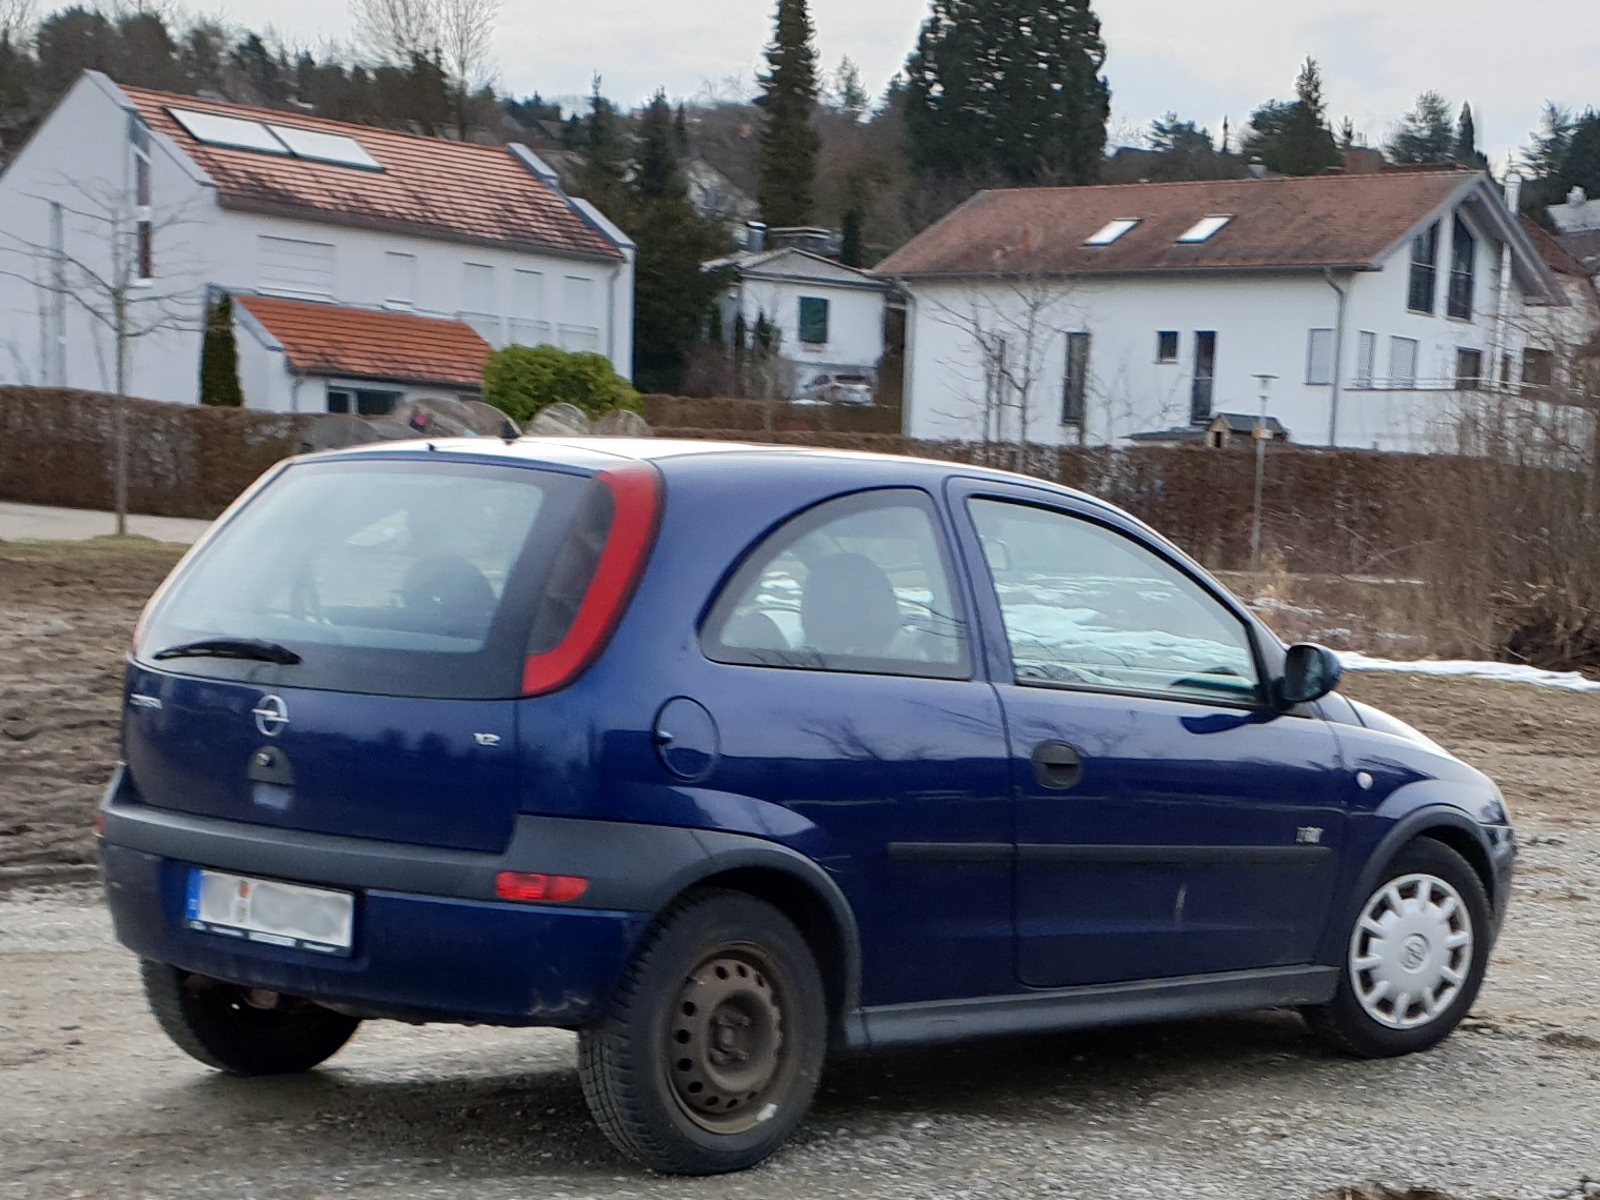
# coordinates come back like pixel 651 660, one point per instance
pixel 1204 230
pixel 1111 231
pixel 290 141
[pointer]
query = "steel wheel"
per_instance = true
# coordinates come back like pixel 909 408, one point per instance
pixel 1411 951
pixel 724 1043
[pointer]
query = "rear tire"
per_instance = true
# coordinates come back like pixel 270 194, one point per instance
pixel 1414 957
pixel 713 1047
pixel 242 1031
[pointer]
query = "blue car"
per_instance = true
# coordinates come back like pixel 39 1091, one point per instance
pixel 726 757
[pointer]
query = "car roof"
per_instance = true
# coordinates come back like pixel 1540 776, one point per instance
pixel 597 453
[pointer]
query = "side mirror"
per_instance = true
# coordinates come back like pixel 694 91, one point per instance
pixel 1309 673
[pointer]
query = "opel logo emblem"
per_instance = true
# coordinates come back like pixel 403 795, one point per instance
pixel 272 716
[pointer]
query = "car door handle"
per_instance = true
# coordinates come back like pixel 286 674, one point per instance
pixel 1057 766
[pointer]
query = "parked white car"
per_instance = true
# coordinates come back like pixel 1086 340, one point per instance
pixel 831 388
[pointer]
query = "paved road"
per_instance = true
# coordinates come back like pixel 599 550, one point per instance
pixel 38 522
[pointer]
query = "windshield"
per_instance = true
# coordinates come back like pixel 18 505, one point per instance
pixel 385 576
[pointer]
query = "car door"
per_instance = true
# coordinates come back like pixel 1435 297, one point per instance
pixel 842 680
pixel 1169 822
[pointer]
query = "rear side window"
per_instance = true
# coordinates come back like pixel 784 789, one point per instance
pixel 858 584
pixel 389 577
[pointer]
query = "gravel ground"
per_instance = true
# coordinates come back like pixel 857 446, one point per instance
pixel 95 1102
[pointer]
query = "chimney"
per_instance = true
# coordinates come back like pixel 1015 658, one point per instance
pixel 755 237
pixel 1258 169
pixel 1577 197
pixel 1514 194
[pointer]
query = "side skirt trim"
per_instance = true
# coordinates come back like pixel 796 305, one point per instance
pixel 1083 1007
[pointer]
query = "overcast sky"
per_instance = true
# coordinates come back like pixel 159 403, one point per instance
pixel 1205 60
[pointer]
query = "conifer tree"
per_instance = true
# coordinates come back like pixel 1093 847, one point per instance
pixel 1009 91
pixel 219 358
pixel 1294 138
pixel 1467 153
pixel 789 144
pixel 1424 136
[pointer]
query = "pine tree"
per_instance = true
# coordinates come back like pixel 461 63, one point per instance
pixel 1009 91
pixel 672 292
pixel 1425 136
pixel 1467 153
pixel 602 176
pixel 789 144
pixel 219 358
pixel 1293 138
pixel 851 252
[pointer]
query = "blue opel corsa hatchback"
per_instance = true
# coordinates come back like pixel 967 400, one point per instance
pixel 728 756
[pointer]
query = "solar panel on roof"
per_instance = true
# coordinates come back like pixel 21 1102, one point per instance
pixel 1204 229
pixel 325 147
pixel 216 130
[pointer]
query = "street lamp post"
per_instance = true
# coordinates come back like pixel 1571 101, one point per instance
pixel 1264 383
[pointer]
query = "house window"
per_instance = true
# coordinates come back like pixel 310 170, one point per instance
pixel 813 321
pixel 1111 231
pixel 144 229
pixel 399 279
pixel 363 402
pixel 1319 356
pixel 1366 358
pixel 290 267
pixel 145 234
pixel 1424 264
pixel 1463 251
pixel 477 301
pixel 580 328
pixel 529 326
pixel 1469 370
pixel 1402 362
pixel 1167 346
pixel 1205 370
pixel 1077 381
pixel 1538 371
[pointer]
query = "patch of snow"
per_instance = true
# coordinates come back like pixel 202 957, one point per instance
pixel 1569 681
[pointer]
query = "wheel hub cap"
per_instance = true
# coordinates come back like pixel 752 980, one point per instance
pixel 1411 951
pixel 725 1041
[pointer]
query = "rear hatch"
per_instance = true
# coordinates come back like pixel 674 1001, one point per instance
pixel 344 656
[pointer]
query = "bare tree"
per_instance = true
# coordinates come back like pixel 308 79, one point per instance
pixel 16 21
pixel 101 262
pixel 460 33
pixel 396 31
pixel 1015 327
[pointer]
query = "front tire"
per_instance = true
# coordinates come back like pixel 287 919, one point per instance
pixel 713 1048
pixel 243 1031
pixel 1414 958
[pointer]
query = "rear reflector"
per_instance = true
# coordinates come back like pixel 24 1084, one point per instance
pixel 100 823
pixel 526 885
pixel 636 490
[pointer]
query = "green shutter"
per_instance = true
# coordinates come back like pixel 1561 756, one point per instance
pixel 813 321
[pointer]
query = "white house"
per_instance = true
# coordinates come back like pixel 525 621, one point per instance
pixel 1380 305
pixel 827 317
pixel 385 264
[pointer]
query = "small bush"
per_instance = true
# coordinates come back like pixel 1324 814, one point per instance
pixel 522 380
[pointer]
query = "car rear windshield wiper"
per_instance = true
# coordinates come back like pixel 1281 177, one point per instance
pixel 249 648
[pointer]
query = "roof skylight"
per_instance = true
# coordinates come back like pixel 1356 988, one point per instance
pixel 325 147
pixel 1111 231
pixel 1205 229
pixel 216 129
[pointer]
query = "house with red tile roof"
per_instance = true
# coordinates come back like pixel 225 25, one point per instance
pixel 1379 310
pixel 367 266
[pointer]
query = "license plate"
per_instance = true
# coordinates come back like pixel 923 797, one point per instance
pixel 269 912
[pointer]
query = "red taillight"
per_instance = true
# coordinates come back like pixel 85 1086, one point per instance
pixel 100 824
pixel 636 490
pixel 527 885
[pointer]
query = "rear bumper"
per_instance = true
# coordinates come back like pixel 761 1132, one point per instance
pixel 431 940
pixel 416 957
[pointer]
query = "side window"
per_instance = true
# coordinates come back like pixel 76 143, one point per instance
pixel 858 584
pixel 1087 607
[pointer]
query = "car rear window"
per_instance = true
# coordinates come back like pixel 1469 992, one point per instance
pixel 388 577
